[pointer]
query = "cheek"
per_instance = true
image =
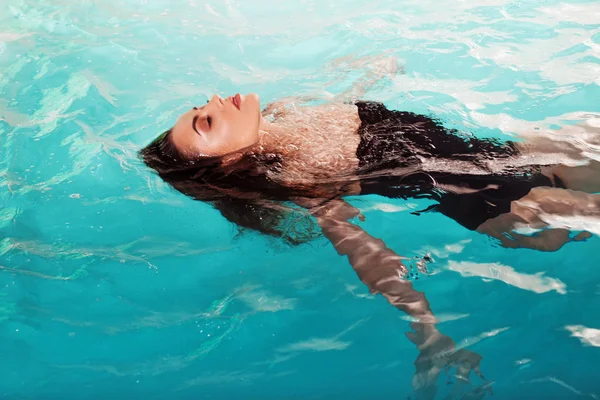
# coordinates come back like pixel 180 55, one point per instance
pixel 250 127
pixel 231 134
pixel 242 126
pixel 223 133
pixel 252 119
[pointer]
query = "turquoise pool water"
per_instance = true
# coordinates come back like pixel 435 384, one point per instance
pixel 115 286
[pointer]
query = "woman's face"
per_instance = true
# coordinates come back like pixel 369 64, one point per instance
pixel 220 127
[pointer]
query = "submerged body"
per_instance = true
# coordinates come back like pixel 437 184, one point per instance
pixel 368 149
pixel 290 152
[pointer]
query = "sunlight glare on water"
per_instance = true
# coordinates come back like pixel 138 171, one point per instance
pixel 113 284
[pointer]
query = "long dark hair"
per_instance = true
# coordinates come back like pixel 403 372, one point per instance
pixel 242 191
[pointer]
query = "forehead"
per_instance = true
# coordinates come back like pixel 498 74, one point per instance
pixel 187 116
pixel 183 136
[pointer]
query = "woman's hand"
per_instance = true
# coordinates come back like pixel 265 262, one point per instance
pixel 375 68
pixel 386 66
pixel 381 65
pixel 438 352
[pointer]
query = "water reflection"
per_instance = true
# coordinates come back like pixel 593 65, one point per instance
pixel 588 336
pixel 537 283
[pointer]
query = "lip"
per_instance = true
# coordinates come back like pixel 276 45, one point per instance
pixel 237 101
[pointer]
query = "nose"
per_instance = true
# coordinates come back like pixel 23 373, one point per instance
pixel 217 99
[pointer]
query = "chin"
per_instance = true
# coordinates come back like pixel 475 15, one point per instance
pixel 253 101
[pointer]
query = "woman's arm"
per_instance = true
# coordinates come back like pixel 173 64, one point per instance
pixel 376 68
pixel 555 212
pixel 376 265
pixel 383 272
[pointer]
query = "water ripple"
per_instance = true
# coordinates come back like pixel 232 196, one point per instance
pixel 83 85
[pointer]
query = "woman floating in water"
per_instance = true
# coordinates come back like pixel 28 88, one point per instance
pixel 261 169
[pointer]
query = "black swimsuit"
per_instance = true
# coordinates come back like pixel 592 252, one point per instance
pixel 393 140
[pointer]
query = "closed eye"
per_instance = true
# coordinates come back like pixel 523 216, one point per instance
pixel 194 126
pixel 195 123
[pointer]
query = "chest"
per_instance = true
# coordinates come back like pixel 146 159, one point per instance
pixel 319 143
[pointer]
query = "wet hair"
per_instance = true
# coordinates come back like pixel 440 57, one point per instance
pixel 242 191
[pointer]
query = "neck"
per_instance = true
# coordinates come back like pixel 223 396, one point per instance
pixel 272 137
pixel 272 128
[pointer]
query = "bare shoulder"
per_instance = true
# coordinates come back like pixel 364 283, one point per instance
pixel 300 111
